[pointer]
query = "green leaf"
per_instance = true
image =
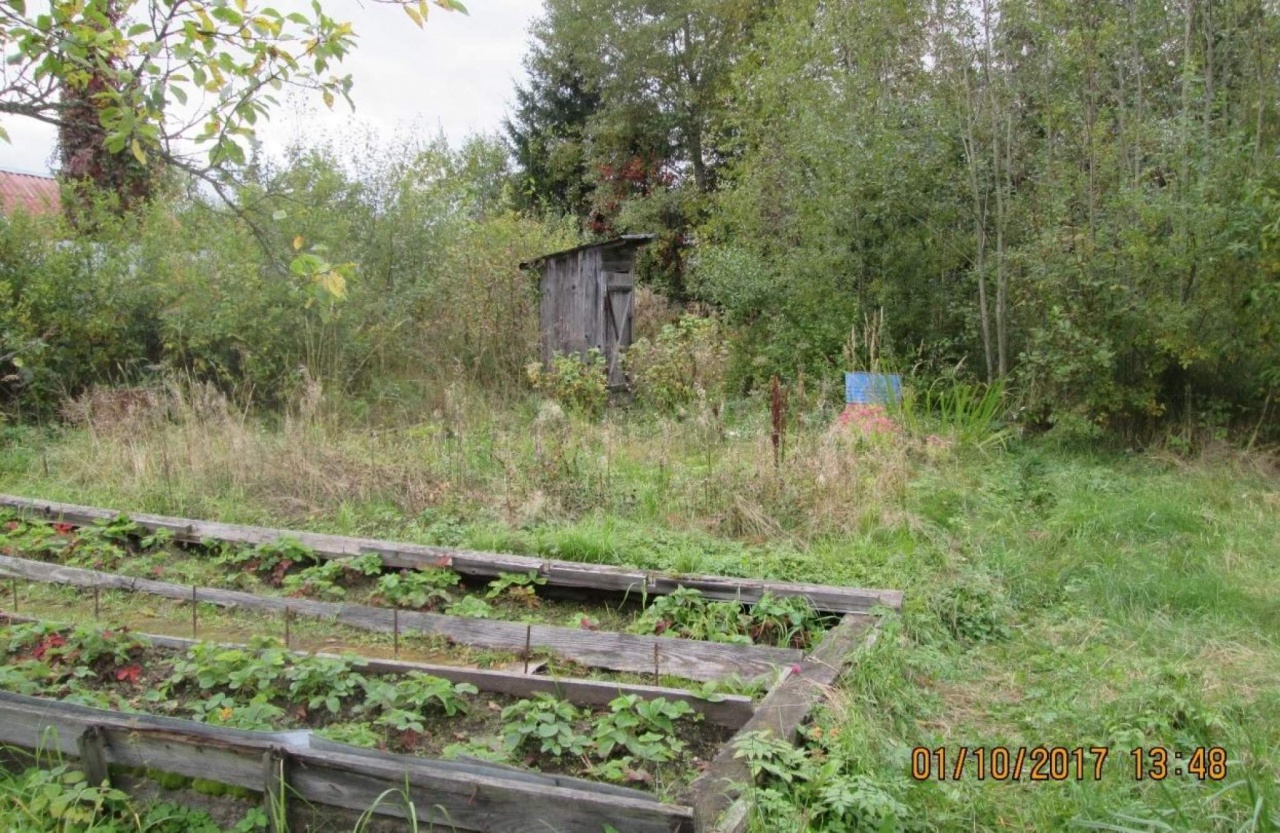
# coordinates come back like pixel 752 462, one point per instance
pixel 227 15
pixel 4 136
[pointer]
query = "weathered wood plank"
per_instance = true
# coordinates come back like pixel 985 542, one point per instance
pixel 482 564
pixel 781 713
pixel 478 802
pixel 469 800
pixel 686 658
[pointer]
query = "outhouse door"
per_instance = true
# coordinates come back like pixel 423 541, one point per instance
pixel 618 300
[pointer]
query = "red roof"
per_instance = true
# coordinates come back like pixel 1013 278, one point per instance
pixel 33 194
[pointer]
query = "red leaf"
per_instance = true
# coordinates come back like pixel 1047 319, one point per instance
pixel 11 526
pixel 53 640
pixel 130 673
pixel 63 529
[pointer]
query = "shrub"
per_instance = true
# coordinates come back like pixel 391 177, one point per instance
pixel 577 382
pixel 687 356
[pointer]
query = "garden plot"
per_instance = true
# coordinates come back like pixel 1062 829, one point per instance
pixel 681 658
pixel 611 733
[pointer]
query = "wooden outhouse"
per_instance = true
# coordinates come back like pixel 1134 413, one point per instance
pixel 586 299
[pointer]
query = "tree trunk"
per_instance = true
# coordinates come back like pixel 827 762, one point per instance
pixel 979 224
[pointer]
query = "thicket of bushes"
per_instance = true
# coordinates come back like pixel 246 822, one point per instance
pixel 372 283
pixel 387 282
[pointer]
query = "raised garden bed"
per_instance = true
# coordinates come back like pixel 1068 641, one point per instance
pixel 650 737
pixel 639 742
pixel 565 574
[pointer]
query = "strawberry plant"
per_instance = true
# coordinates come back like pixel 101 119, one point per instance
pixel 207 667
pixel 158 539
pixel 518 586
pixel 271 560
pixel 415 692
pixel 471 606
pixel 686 613
pixel 401 705
pixel 332 578
pixel 82 652
pixel 107 652
pixel 419 691
pixel 25 678
pixel 26 636
pixel 417 589
pixel 546 722
pixel 118 530
pixel 38 539
pixel 644 728
pixel 324 681
pixel 786 621
pixel 222 710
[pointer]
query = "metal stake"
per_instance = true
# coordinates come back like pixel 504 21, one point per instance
pixel 657 678
pixel 286 626
pixel 528 637
pixel 14 583
pixel 195 614
pixel 96 609
pixel 395 632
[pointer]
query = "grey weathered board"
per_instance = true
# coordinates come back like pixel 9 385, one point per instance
pixel 781 713
pixel 468 799
pixel 472 563
pixel 686 658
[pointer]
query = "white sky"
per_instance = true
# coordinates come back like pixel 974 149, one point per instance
pixel 457 74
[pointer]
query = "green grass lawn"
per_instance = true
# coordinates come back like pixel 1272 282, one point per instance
pixel 1053 597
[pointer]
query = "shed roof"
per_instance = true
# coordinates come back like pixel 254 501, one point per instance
pixel 32 193
pixel 626 239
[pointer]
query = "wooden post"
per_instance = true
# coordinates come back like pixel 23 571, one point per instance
pixel 777 414
pixel 275 790
pixel 395 632
pixel 195 607
pixel 13 582
pixel 93 756
pixel 657 678
pixel 96 608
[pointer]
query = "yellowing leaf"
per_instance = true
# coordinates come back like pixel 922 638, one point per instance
pixel 414 15
pixel 297 242
pixel 333 283
pixel 137 152
pixel 328 99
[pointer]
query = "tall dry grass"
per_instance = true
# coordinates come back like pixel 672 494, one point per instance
pixel 185 449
